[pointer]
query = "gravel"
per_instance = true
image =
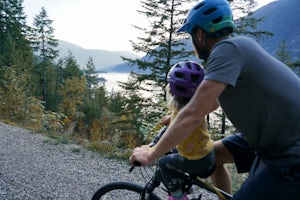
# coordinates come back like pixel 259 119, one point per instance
pixel 32 166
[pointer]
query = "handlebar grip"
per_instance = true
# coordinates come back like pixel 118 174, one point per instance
pixel 135 163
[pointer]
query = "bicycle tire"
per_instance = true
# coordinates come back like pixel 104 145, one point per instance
pixel 121 191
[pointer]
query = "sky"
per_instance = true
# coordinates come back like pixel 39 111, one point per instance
pixel 93 24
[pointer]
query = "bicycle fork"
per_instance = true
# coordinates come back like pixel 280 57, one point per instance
pixel 149 188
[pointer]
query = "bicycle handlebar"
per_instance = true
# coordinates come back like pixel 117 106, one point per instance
pixel 155 140
pixel 135 164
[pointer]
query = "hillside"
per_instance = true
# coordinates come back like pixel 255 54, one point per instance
pixel 282 18
pixel 103 60
pixel 124 67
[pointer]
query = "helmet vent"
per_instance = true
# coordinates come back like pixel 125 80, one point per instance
pixel 189 65
pixel 180 75
pixel 217 20
pixel 199 6
pixel 209 11
pixel 181 89
pixel 195 78
pixel 198 68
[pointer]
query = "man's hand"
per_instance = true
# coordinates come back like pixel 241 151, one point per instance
pixel 141 155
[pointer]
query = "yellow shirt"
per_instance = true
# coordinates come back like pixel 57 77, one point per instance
pixel 198 144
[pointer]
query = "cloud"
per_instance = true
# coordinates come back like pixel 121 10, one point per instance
pixel 92 24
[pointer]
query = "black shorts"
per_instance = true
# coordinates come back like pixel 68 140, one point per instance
pixel 242 154
pixel 267 182
pixel 264 181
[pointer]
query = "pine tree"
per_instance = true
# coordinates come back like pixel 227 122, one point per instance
pixel 160 43
pixel 70 67
pixel 283 53
pixel 94 106
pixel 163 47
pixel 14 46
pixel 90 75
pixel 44 45
pixel 245 23
pixel 295 66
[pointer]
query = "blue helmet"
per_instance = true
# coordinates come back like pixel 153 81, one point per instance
pixel 210 15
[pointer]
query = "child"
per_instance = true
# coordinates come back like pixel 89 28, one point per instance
pixel 195 154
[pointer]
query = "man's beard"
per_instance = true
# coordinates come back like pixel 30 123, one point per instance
pixel 201 53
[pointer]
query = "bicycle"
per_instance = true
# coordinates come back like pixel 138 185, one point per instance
pixel 119 190
pixel 128 190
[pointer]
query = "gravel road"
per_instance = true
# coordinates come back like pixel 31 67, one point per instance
pixel 33 167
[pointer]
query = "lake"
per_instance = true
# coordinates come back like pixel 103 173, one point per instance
pixel 112 79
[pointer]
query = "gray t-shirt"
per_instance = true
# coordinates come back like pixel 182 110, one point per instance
pixel 262 99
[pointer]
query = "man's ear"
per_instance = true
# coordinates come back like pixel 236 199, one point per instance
pixel 200 35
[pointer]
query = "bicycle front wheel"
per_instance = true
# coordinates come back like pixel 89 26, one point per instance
pixel 121 191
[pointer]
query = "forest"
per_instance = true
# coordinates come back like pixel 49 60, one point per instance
pixel 45 93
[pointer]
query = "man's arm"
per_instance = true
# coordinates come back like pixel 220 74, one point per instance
pixel 187 120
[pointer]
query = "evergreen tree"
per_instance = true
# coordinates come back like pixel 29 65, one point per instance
pixel 72 91
pixel 54 77
pixel 116 102
pixel 245 23
pixel 295 66
pixel 44 44
pixel 140 110
pixel 163 47
pixel 94 107
pixel 70 67
pixel 90 75
pixel 14 46
pixel 283 53
pixel 65 68
pixel 160 43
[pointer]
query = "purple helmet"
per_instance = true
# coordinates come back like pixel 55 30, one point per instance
pixel 184 78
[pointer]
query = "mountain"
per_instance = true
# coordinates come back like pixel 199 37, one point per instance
pixel 281 17
pixel 103 60
pixel 125 67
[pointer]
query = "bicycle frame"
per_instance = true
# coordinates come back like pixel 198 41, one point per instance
pixel 128 190
pixel 189 182
pixel 200 183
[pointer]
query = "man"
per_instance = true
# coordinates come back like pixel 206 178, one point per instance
pixel 260 96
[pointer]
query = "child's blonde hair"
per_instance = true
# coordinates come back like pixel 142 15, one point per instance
pixel 174 102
